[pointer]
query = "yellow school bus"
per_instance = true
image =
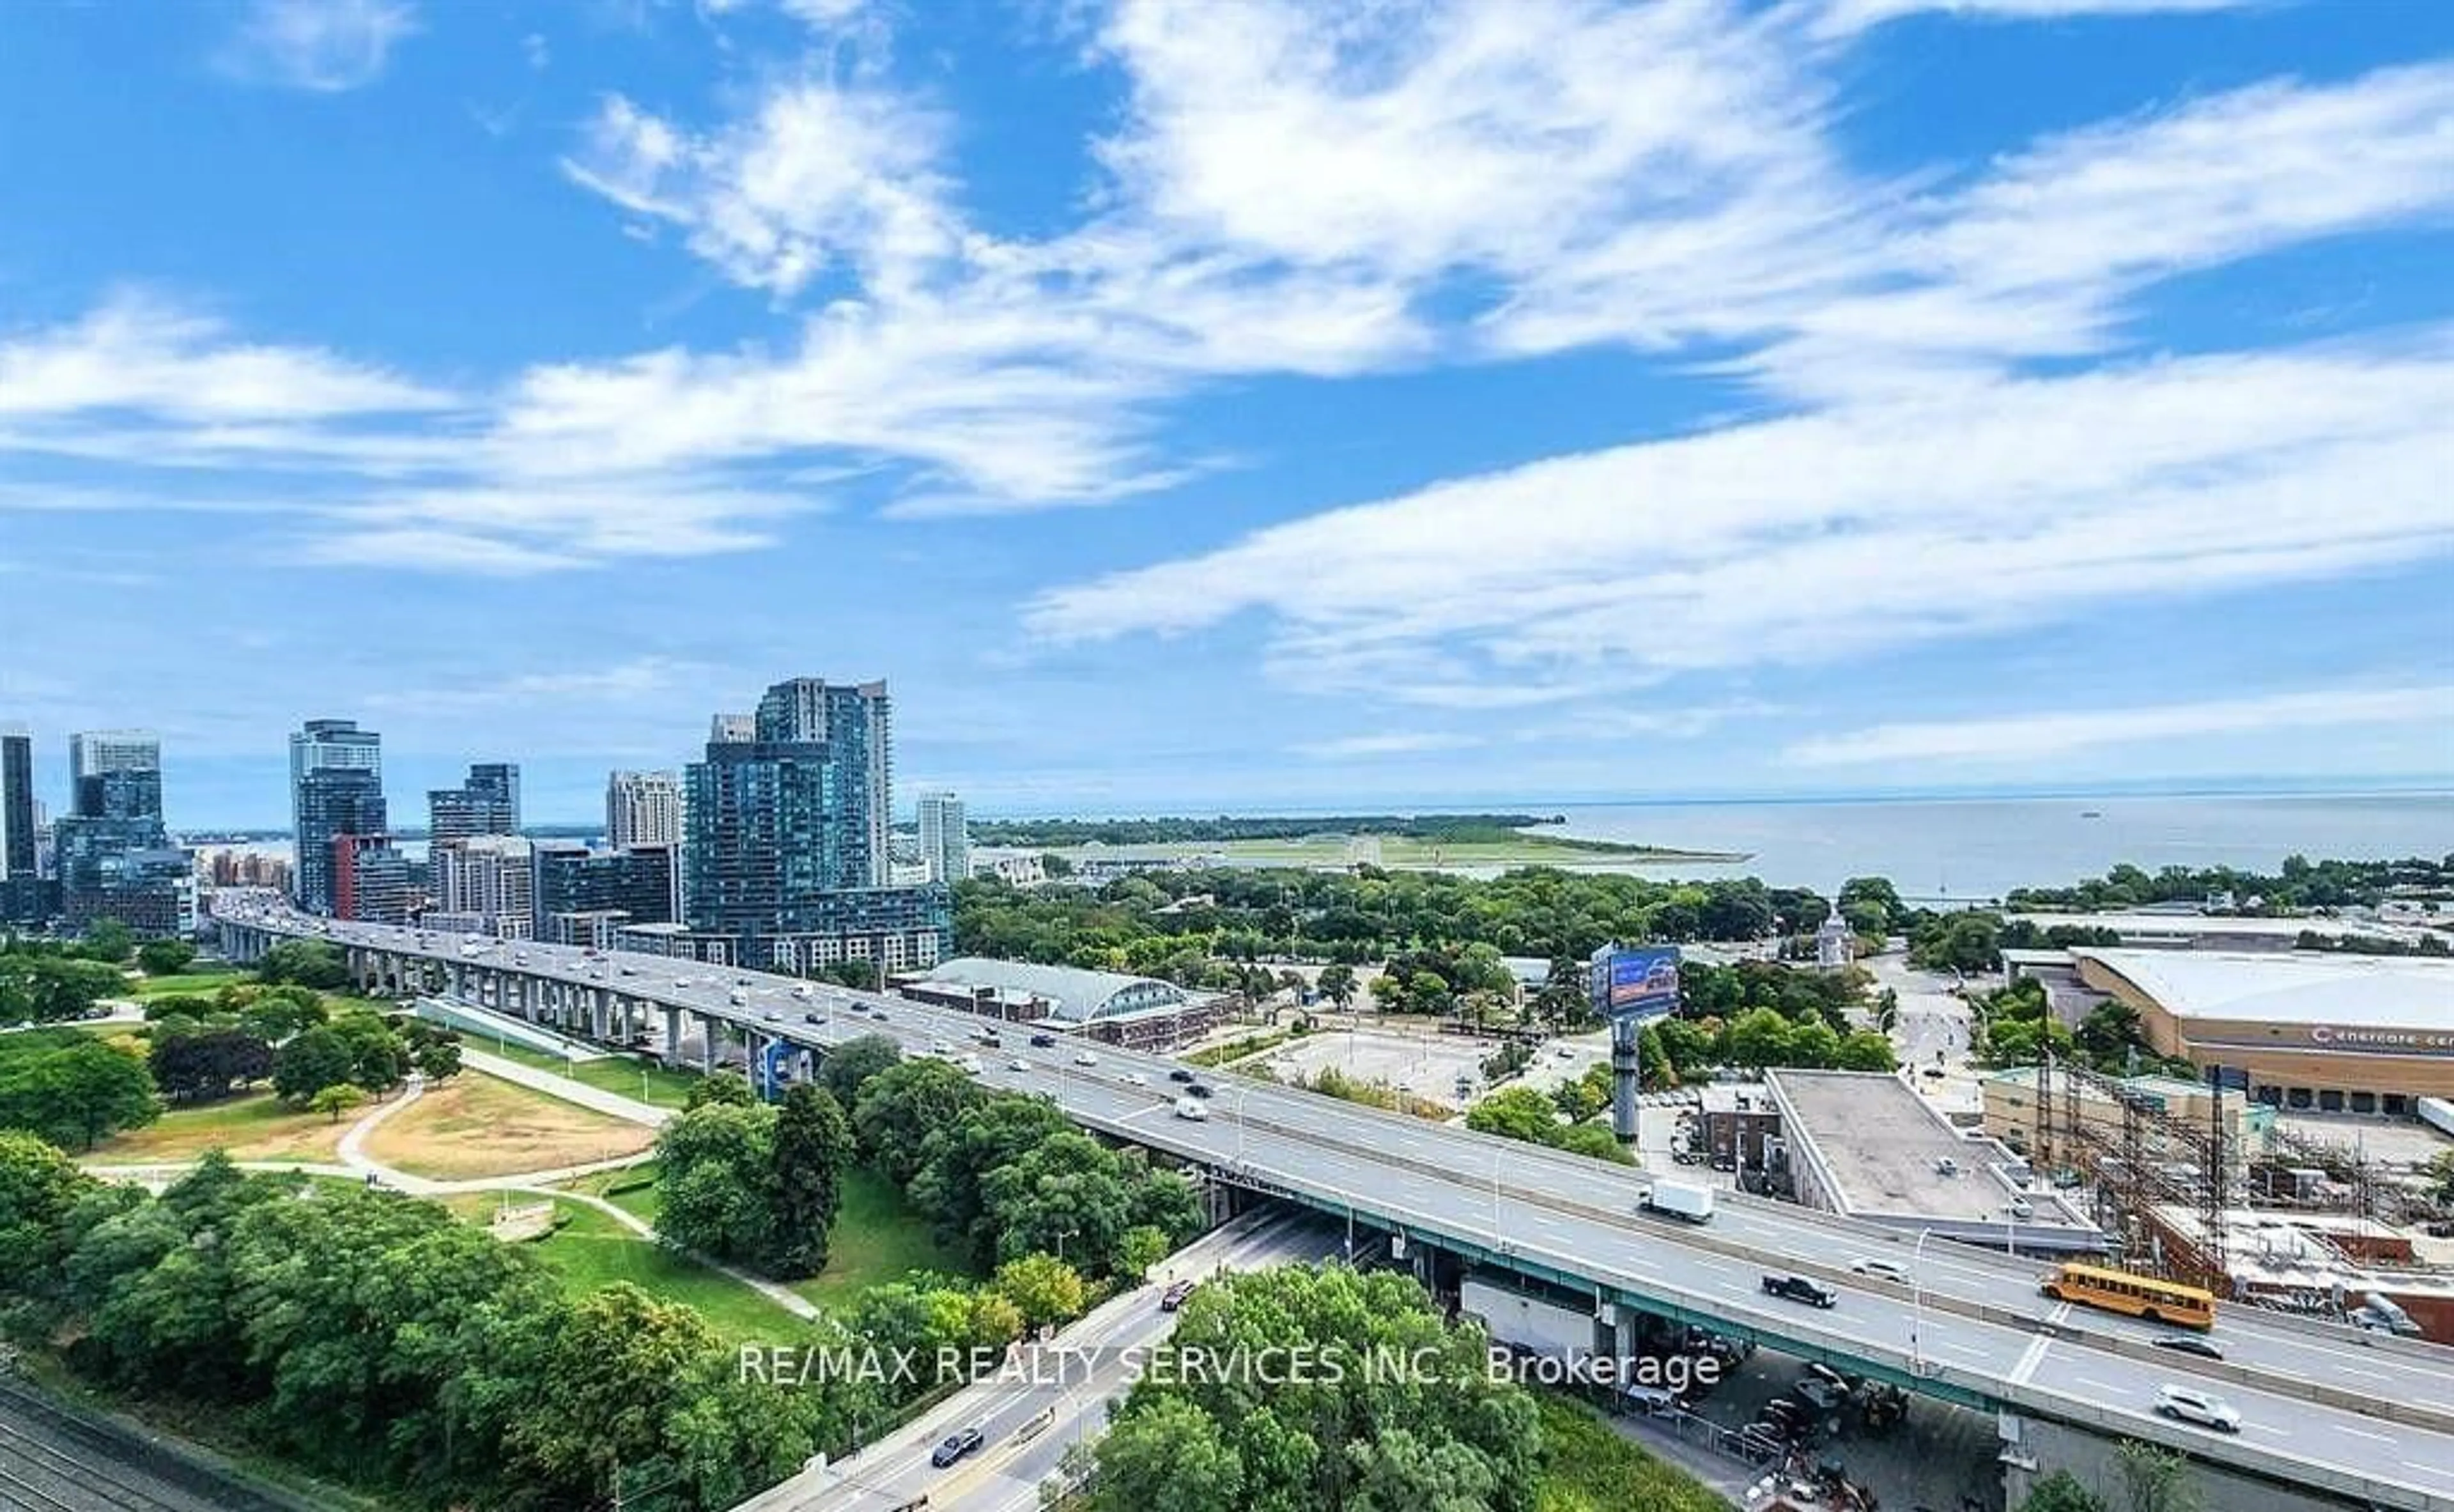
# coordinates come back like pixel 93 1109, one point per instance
pixel 2139 1295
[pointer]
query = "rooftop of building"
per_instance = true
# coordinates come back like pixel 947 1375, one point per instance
pixel 1073 993
pixel 2137 922
pixel 2286 1247
pixel 1884 1149
pixel 2414 993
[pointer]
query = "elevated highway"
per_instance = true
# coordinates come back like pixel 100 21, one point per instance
pixel 2366 1419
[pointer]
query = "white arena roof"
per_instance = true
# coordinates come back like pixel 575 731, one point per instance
pixel 2377 992
pixel 2216 926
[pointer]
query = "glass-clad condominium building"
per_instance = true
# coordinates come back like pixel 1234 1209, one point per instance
pixel 786 818
pixel 488 802
pixel 335 788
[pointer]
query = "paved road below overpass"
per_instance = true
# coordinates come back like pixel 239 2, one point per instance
pixel 1029 1421
pixel 2323 1405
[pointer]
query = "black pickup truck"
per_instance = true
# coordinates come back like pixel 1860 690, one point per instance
pixel 1798 1289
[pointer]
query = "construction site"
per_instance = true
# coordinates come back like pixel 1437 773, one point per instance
pixel 2201 1184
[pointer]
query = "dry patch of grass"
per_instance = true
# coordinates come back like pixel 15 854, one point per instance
pixel 254 1127
pixel 474 1125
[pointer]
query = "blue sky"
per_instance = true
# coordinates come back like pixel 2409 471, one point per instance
pixel 1226 404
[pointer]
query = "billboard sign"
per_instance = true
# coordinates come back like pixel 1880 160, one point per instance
pixel 1636 982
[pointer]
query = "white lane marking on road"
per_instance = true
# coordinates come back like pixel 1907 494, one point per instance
pixel 2364 1433
pixel 2030 1358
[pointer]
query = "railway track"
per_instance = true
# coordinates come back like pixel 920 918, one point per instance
pixel 53 1458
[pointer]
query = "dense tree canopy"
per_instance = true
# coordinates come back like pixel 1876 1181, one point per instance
pixel 1442 1435
pixel 71 1088
pixel 305 962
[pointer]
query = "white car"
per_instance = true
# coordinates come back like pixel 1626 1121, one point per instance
pixel 1880 1269
pixel 1017 1063
pixel 802 992
pixel 1193 1108
pixel 1138 1079
pixel 970 1065
pixel 2190 1404
pixel 1084 1057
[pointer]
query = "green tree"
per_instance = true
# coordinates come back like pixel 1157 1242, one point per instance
pixel 719 1090
pixel 2062 1492
pixel 1173 1455
pixel 716 1182
pixel 901 1106
pixel 813 1146
pixel 1044 1289
pixel 437 1059
pixel 614 1373
pixel 848 1068
pixel 73 1093
pixel 337 1099
pixel 1516 1113
pixel 39 1186
pixel 107 939
pixel 1865 1050
pixel 1141 1248
pixel 316 1060
pixel 1336 983
pixel 204 1065
pixel 2155 1479
pixel 306 962
pixel 1456 1439
pixel 164 958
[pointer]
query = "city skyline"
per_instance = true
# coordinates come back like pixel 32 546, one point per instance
pixel 1757 407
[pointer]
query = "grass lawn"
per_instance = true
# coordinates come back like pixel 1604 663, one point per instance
pixel 878 1237
pixel 204 984
pixel 475 1125
pixel 592 1250
pixel 638 1197
pixel 628 1075
pixel 1586 1467
pixel 253 1126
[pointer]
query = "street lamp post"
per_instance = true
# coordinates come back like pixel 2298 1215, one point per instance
pixel 1916 1301
pixel 1062 1235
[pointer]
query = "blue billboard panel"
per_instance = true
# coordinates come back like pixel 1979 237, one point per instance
pixel 1635 982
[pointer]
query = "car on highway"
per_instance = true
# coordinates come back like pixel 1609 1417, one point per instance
pixel 1190 1108
pixel 1173 1297
pixel 1017 1063
pixel 2190 1404
pixel 1138 1079
pixel 1084 1057
pixel 2185 1344
pixel 1798 1289
pixel 942 1047
pixel 954 1445
pixel 1179 1074
pixel 1196 1089
pixel 814 1016
pixel 969 1065
pixel 1043 1041
pixel 802 992
pixel 1880 1269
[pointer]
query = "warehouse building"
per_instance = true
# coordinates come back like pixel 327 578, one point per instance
pixel 1140 1012
pixel 2334 1033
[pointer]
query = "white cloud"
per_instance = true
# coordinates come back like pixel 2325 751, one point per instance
pixel 2028 737
pixel 821 174
pixel 1347 748
pixel 1839 533
pixel 324 46
pixel 138 353
pixel 1842 17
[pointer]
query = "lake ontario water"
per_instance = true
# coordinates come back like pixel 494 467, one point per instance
pixel 1981 848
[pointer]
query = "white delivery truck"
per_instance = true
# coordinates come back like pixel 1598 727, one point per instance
pixel 1528 1323
pixel 1691 1201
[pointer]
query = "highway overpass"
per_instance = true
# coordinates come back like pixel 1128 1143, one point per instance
pixel 2364 1417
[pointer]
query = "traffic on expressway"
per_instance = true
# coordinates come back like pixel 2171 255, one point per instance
pixel 2321 1405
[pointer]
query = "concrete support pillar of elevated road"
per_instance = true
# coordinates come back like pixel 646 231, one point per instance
pixel 706 1045
pixel 600 1014
pixel 673 1034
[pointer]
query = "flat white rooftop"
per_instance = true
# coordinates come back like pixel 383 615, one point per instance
pixel 2404 993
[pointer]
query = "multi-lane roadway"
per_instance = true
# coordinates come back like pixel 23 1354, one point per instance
pixel 2323 1405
